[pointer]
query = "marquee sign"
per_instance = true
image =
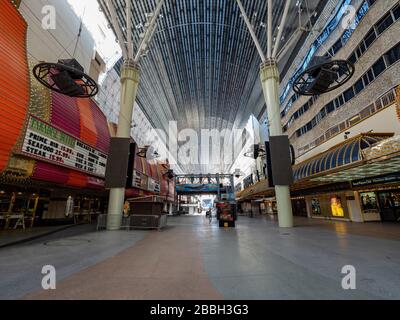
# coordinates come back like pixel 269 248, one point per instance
pixel 47 143
pixel 143 182
pixel 139 180
pixel 154 186
pixel 390 178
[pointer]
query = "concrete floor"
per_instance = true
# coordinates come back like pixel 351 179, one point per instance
pixel 194 260
pixel 12 237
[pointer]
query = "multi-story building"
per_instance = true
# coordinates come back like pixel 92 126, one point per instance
pixel 54 148
pixel 346 141
pixel 41 179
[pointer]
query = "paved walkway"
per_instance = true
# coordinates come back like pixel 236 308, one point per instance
pixel 194 260
pixel 11 237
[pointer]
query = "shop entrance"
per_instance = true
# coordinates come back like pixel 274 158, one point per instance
pixel 381 205
pixel 299 207
pixel 389 202
pixel 18 209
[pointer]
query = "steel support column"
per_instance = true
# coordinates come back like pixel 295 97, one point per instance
pixel 130 77
pixel 270 83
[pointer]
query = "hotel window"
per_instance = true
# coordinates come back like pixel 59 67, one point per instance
pixel 366 112
pixel 330 107
pixel 393 55
pixel 337 46
pixel 314 122
pixel 384 23
pixel 339 101
pixel 361 49
pixel 323 113
pixel 366 80
pixel 353 58
pixel 396 12
pixel 379 67
pixel 370 75
pixel 359 86
pixel 348 94
pixel 370 37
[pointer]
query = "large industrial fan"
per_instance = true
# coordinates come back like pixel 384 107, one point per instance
pixel 255 152
pixel 324 75
pixel 148 152
pixel 66 77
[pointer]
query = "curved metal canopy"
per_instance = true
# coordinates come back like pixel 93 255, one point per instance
pixel 347 153
pixel 202 68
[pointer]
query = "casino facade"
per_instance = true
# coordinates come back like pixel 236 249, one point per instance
pixel 54 148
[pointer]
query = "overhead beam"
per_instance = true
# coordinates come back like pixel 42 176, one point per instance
pixel 293 39
pixel 281 28
pixel 117 28
pixel 149 32
pixel 251 30
pixel 270 33
pixel 129 28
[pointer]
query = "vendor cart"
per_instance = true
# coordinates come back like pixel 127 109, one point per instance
pixel 226 213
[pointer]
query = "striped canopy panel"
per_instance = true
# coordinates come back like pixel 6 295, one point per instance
pixel 14 79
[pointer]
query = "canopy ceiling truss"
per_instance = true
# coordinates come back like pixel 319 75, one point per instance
pixel 202 67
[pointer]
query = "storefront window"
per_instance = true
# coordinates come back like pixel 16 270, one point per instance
pixel 389 200
pixel 316 207
pixel 20 204
pixel 336 207
pixel 369 201
pixel 5 200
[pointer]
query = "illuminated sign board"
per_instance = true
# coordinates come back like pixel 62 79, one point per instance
pixel 391 178
pixel 140 180
pixel 197 189
pixel 336 207
pixel 143 182
pixel 47 143
pixel 153 186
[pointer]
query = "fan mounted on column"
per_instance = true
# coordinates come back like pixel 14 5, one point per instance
pixel 66 77
pixel 255 152
pixel 324 75
pixel 148 152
